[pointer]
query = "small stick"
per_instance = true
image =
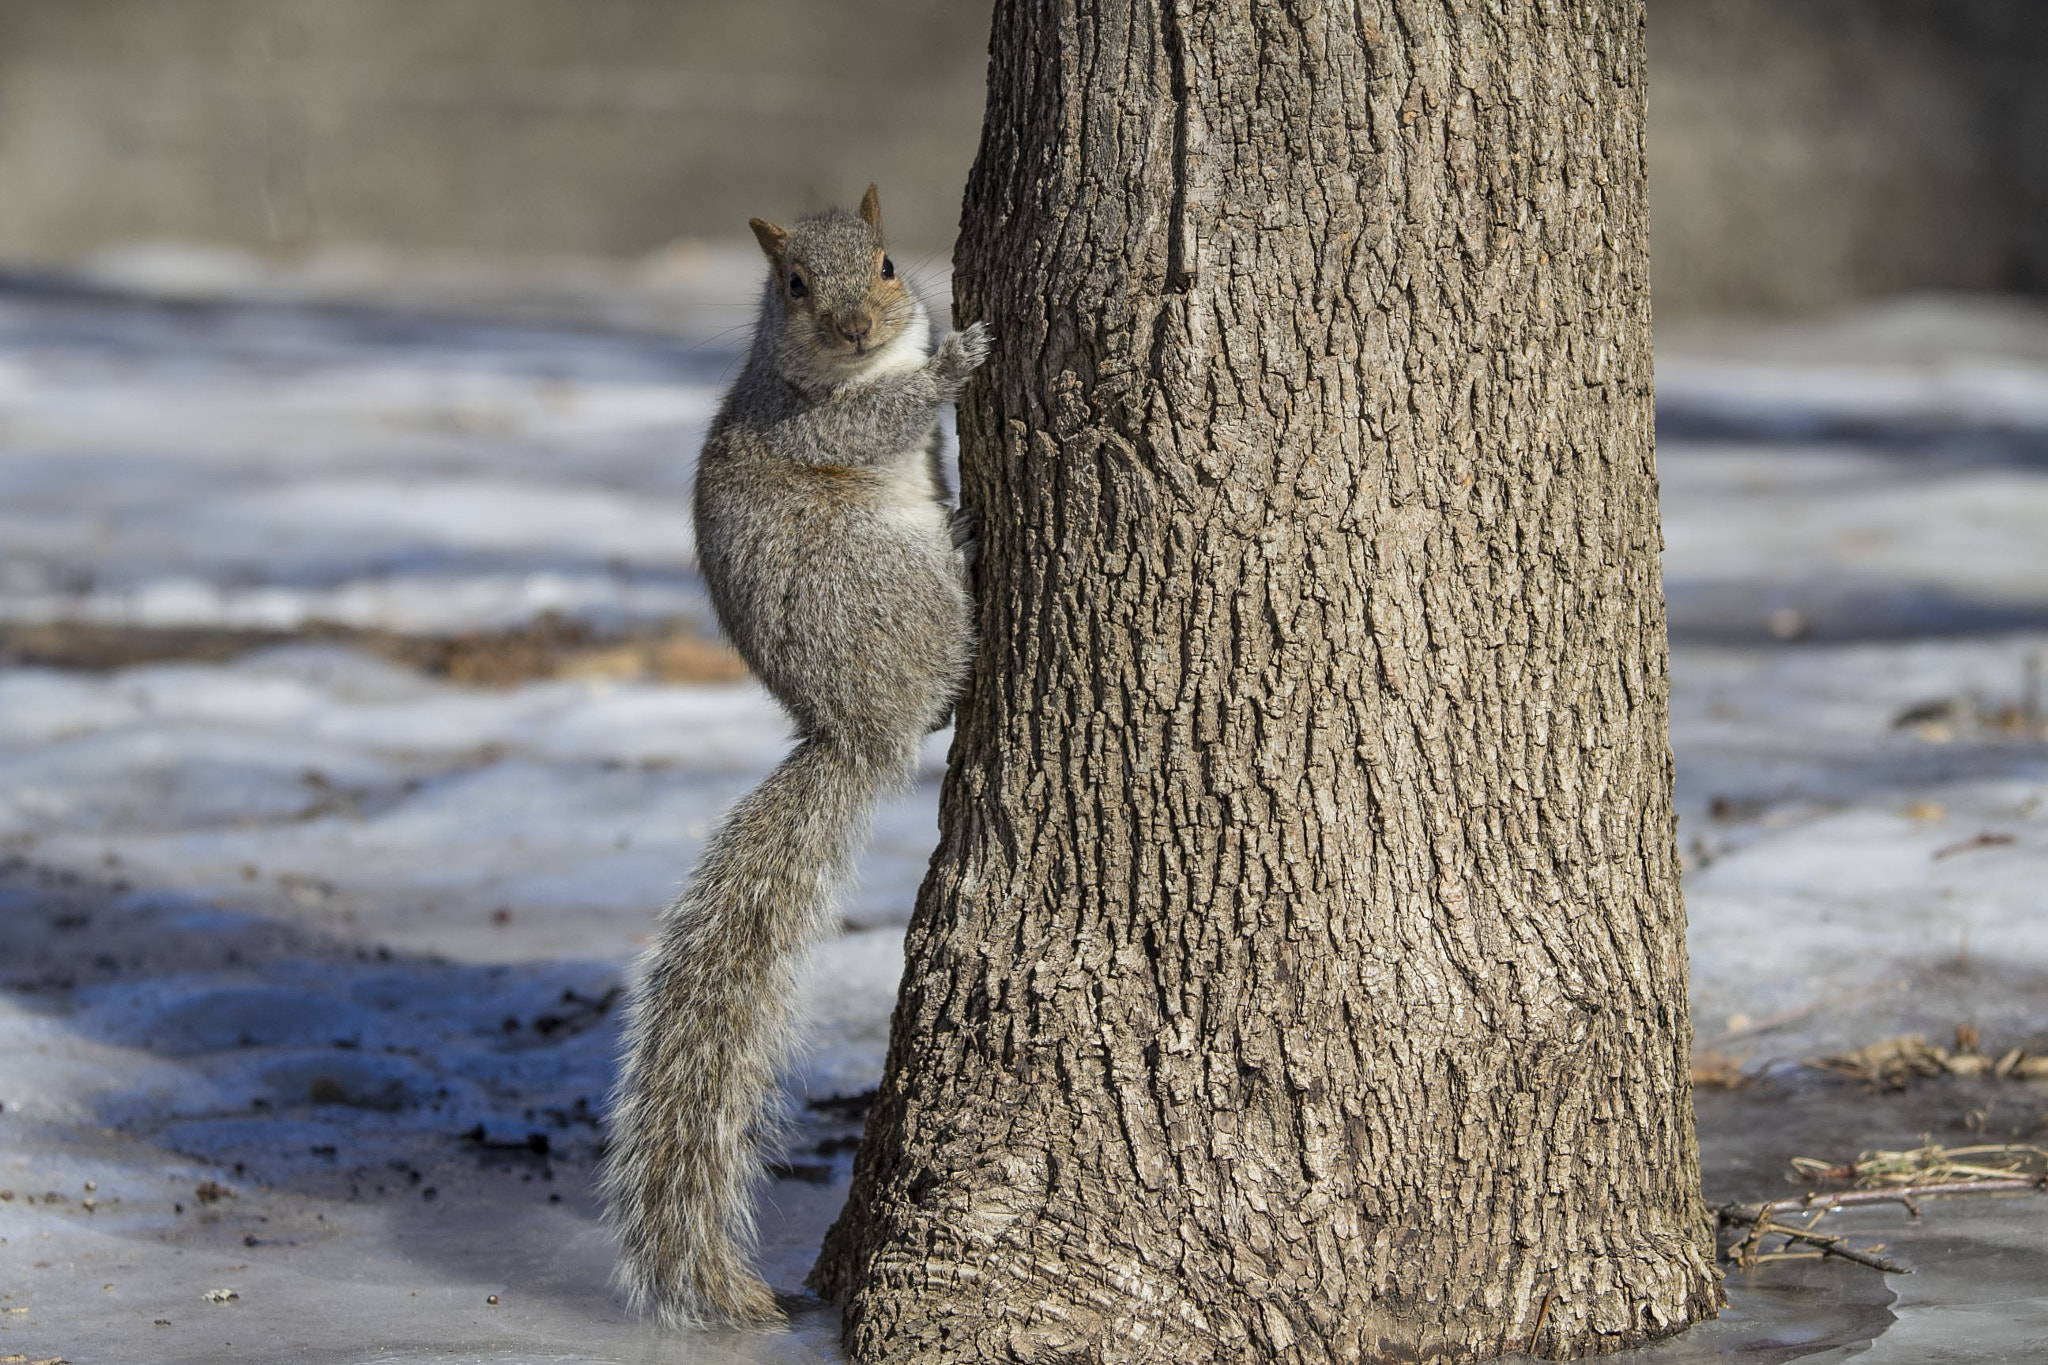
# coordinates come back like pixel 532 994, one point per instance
pixel 1755 1215
pixel 1541 1314
pixel 1989 838
pixel 1819 1213
pixel 1745 1251
pixel 1758 1217
pixel 1902 1194
pixel 2005 1148
pixel 1839 1246
pixel 1829 1245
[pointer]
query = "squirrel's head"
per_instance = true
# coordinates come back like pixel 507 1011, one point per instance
pixel 840 298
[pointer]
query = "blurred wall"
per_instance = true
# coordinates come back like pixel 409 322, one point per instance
pixel 1803 152
pixel 606 126
pixel 1808 152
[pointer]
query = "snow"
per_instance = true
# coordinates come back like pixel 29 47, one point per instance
pixel 208 465
pixel 345 937
pixel 1978 362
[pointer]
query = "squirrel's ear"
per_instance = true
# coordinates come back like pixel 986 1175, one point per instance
pixel 871 210
pixel 771 237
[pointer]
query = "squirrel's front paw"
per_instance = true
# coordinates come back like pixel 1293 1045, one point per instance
pixel 962 352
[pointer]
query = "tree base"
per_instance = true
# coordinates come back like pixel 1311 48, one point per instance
pixel 1031 1304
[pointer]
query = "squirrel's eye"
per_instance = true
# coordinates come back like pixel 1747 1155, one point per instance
pixel 796 287
pixel 888 269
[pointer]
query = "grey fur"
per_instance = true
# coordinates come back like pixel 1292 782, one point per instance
pixel 824 538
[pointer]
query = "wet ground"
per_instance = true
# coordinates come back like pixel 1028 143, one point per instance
pixel 309 949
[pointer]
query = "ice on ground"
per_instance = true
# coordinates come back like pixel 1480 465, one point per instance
pixel 207 465
pixel 1898 368
pixel 347 941
pixel 1884 472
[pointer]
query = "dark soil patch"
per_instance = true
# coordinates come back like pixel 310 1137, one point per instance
pixel 550 647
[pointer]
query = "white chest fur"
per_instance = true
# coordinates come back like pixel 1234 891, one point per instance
pixel 911 348
pixel 905 486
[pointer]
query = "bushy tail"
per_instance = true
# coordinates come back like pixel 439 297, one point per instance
pixel 712 1024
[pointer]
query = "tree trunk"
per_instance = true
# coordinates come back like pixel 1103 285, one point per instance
pixel 1301 973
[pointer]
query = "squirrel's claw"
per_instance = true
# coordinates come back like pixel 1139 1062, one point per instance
pixel 962 352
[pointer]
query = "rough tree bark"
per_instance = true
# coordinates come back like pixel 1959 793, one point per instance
pixel 1301 973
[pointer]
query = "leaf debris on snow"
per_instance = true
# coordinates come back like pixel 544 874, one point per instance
pixel 1893 1063
pixel 1933 1164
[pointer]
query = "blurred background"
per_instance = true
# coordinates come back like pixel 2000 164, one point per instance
pixel 1804 153
pixel 359 702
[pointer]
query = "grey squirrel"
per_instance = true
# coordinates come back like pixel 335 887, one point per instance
pixel 837 572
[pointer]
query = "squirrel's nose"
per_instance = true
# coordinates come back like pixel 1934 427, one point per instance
pixel 856 328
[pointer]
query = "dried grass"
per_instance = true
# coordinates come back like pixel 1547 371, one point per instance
pixel 549 647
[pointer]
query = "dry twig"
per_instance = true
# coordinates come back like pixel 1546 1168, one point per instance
pixel 1541 1315
pixel 1903 1177
pixel 1761 1224
pixel 1990 838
